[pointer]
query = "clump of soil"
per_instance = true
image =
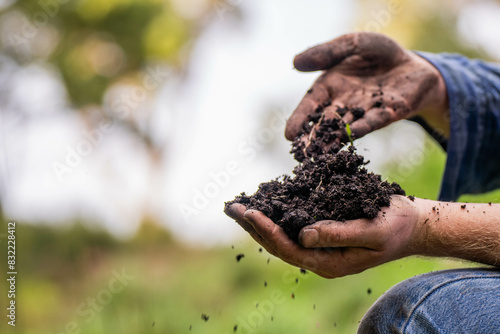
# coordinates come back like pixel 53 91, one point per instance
pixel 328 184
pixel 330 134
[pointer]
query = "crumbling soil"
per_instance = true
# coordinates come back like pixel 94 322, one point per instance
pixel 328 184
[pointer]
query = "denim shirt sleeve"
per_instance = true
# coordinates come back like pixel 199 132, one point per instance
pixel 473 161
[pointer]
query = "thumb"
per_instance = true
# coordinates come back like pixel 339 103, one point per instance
pixel 352 233
pixel 371 47
pixel 326 55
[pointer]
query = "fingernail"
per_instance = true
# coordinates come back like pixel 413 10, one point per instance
pixel 248 220
pixel 309 237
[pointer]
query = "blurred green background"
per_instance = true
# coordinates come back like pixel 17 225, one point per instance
pixel 80 277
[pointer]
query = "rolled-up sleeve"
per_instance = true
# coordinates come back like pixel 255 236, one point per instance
pixel 473 148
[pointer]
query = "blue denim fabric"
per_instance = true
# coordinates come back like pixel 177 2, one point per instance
pixel 473 149
pixel 449 301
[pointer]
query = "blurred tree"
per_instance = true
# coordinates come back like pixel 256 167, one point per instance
pixel 95 43
pixel 109 55
pixel 419 25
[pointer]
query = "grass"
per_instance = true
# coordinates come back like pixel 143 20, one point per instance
pixel 171 286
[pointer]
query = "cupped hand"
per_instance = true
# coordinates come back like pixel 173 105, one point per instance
pixel 365 70
pixel 335 249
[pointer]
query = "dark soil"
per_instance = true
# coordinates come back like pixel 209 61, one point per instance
pixel 329 135
pixel 328 184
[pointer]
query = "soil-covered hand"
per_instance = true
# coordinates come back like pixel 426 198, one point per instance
pixel 334 249
pixel 369 71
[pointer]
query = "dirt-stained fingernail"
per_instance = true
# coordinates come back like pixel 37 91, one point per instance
pixel 309 237
pixel 249 220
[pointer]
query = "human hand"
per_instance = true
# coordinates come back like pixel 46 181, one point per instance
pixel 335 249
pixel 369 71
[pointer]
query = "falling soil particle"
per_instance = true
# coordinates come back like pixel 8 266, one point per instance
pixel 369 291
pixel 260 250
pixel 296 281
pixel 265 284
pixel 204 317
pixel 411 198
pixel 463 206
pixel 293 296
pixel 303 271
pixel 239 257
pixel 433 208
pixel 269 259
pixel 489 203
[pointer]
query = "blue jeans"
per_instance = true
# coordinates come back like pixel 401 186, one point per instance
pixel 449 301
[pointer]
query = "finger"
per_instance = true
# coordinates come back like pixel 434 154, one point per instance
pixel 372 120
pixel 371 48
pixel 237 212
pixel 326 55
pixel 358 233
pixel 357 108
pixel 328 263
pixel 276 238
pixel 313 102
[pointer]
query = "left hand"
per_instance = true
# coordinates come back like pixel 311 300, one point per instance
pixel 335 249
pixel 370 71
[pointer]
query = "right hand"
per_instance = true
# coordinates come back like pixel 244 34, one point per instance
pixel 370 71
pixel 335 249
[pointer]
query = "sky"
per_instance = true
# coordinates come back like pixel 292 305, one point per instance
pixel 240 73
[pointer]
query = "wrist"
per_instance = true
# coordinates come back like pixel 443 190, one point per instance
pixel 422 238
pixel 412 234
pixel 434 107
